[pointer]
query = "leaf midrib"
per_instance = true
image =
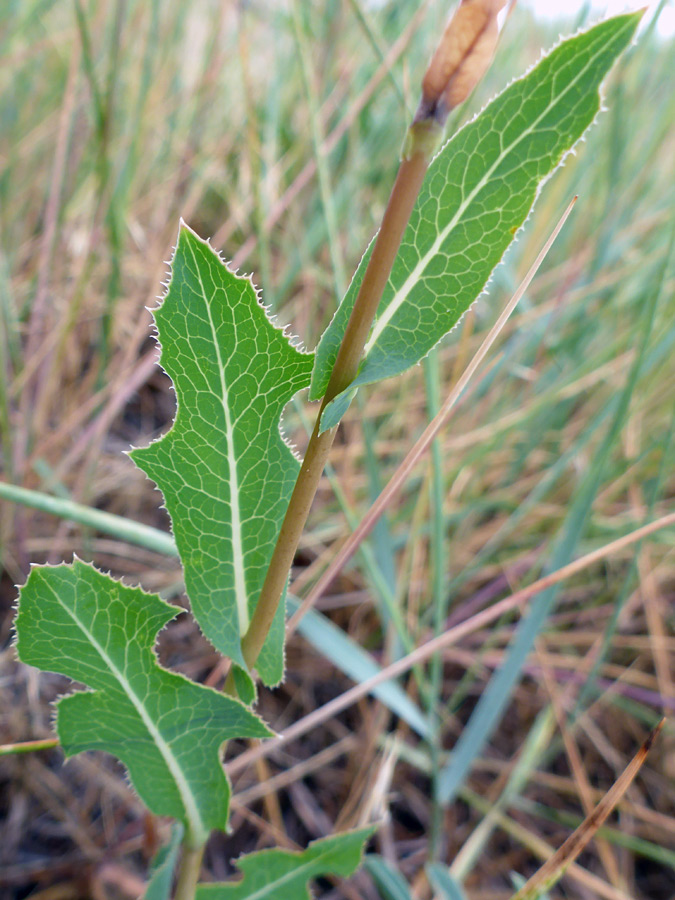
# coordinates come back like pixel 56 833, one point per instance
pixel 198 830
pixel 240 593
pixel 402 294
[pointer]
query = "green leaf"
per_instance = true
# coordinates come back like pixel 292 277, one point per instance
pixel 167 730
pixel 284 875
pixel 162 867
pixel 477 194
pixel 224 469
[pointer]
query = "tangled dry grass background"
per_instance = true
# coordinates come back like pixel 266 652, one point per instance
pixel 115 124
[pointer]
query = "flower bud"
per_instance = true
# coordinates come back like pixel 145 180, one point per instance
pixel 461 58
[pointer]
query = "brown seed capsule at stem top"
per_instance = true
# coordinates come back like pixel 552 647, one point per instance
pixel 461 58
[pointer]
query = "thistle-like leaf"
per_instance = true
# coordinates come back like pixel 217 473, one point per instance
pixel 167 730
pixel 477 193
pixel 284 875
pixel 224 469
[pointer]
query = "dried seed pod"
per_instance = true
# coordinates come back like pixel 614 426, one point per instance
pixel 461 58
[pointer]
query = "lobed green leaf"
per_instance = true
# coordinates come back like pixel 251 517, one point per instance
pixel 277 874
pixel 477 193
pixel 224 469
pixel 166 729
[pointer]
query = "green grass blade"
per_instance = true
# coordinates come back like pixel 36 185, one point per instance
pixel 345 653
pixel 108 523
pixel 495 697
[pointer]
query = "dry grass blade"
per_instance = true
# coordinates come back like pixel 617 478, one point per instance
pixel 369 521
pixel 555 867
pixel 447 639
pixel 305 176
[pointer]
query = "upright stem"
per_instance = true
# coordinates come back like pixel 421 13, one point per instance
pixel 419 149
pixel 458 64
pixel 188 873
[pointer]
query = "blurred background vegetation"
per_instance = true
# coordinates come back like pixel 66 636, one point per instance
pixel 275 129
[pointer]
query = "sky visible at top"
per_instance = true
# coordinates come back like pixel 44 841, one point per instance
pixel 568 9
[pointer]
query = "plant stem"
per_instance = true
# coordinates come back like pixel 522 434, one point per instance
pixel 188 873
pixel 419 150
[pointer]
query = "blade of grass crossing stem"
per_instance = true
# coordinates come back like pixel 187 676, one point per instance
pixel 380 577
pixel 495 697
pixel 423 443
pixel 554 868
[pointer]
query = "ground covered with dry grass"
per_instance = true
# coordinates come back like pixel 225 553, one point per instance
pixel 280 142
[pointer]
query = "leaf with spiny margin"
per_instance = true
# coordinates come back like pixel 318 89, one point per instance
pixel 224 469
pixel 477 193
pixel 166 729
pixel 284 875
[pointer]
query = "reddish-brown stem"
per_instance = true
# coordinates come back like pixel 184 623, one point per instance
pixel 401 202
